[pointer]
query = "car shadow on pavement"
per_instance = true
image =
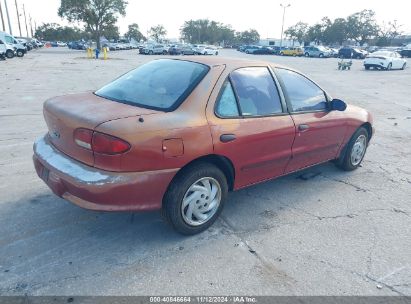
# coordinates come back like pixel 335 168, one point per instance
pixel 44 234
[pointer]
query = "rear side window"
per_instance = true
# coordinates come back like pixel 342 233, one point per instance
pixel 256 91
pixel 303 94
pixel 227 104
pixel 160 84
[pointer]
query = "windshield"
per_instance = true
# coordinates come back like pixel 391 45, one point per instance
pixel 160 84
pixel 384 54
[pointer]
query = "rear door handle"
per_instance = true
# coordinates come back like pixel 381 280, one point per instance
pixel 227 137
pixel 303 128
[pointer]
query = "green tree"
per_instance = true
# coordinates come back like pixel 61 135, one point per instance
pixel 97 15
pixel 336 32
pixel 388 32
pixel 157 32
pixel 56 32
pixel 297 32
pixel 134 32
pixel 111 32
pixel 362 26
pixel 248 37
pixel 206 31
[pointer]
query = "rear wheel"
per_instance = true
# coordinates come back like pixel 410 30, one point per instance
pixel 9 54
pixel 20 53
pixel 355 150
pixel 164 52
pixel 321 55
pixel 307 55
pixel 150 52
pixel 195 198
pixel 367 67
pixel 389 67
pixel 403 66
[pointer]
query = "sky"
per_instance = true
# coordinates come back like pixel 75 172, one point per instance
pixel 263 15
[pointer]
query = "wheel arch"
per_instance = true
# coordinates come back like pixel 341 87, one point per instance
pixel 221 162
pixel 367 127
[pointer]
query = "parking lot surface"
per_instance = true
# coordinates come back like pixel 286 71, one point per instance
pixel 318 232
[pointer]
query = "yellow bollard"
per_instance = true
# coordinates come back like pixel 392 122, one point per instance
pixel 89 53
pixel 105 53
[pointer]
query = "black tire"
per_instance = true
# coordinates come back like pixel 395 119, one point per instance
pixel 173 199
pixel 150 52
pixel 403 66
pixel 389 66
pixel 247 52
pixel 9 54
pixel 344 162
pixel 307 55
pixel 216 53
pixel 164 52
pixel 321 55
pixel 20 53
pixel 281 54
pixel 367 67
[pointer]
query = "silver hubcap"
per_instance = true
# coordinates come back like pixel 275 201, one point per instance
pixel 201 201
pixel 358 150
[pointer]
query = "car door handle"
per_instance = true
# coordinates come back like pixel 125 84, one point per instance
pixel 303 128
pixel 227 137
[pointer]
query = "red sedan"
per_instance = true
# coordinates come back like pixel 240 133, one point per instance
pixel 177 135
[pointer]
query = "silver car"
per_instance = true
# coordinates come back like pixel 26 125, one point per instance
pixel 317 51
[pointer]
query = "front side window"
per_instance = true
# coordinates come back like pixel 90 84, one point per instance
pixel 303 94
pixel 160 84
pixel 256 91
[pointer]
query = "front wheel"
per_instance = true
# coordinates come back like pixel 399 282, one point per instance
pixel 20 53
pixel 355 150
pixel 307 55
pixel 367 67
pixel 195 198
pixel 389 67
pixel 321 56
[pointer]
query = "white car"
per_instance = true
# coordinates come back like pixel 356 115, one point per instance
pixel 210 50
pixel 3 50
pixel 385 60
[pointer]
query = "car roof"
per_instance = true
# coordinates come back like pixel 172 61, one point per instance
pixel 231 63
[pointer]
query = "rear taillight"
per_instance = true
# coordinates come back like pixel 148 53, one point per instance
pixel 107 144
pixel 100 142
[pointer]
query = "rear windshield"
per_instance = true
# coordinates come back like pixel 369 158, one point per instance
pixel 160 84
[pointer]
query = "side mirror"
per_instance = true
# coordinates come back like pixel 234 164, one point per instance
pixel 337 105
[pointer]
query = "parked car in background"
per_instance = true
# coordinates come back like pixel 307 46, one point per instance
pixel 3 50
pixel 317 51
pixel 175 49
pixel 210 50
pixel 155 49
pixel 251 48
pixel 188 50
pixel 177 135
pixel 385 60
pixel 333 52
pixel 292 51
pixel 406 52
pixel 261 50
pixel 350 52
pixel 17 47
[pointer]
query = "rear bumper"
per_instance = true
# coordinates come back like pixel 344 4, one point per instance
pixel 97 189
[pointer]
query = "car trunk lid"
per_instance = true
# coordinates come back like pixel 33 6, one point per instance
pixel 65 114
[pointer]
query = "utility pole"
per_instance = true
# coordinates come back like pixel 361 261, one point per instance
pixel 25 20
pixel 8 17
pixel 2 18
pixel 31 26
pixel 18 16
pixel 282 27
